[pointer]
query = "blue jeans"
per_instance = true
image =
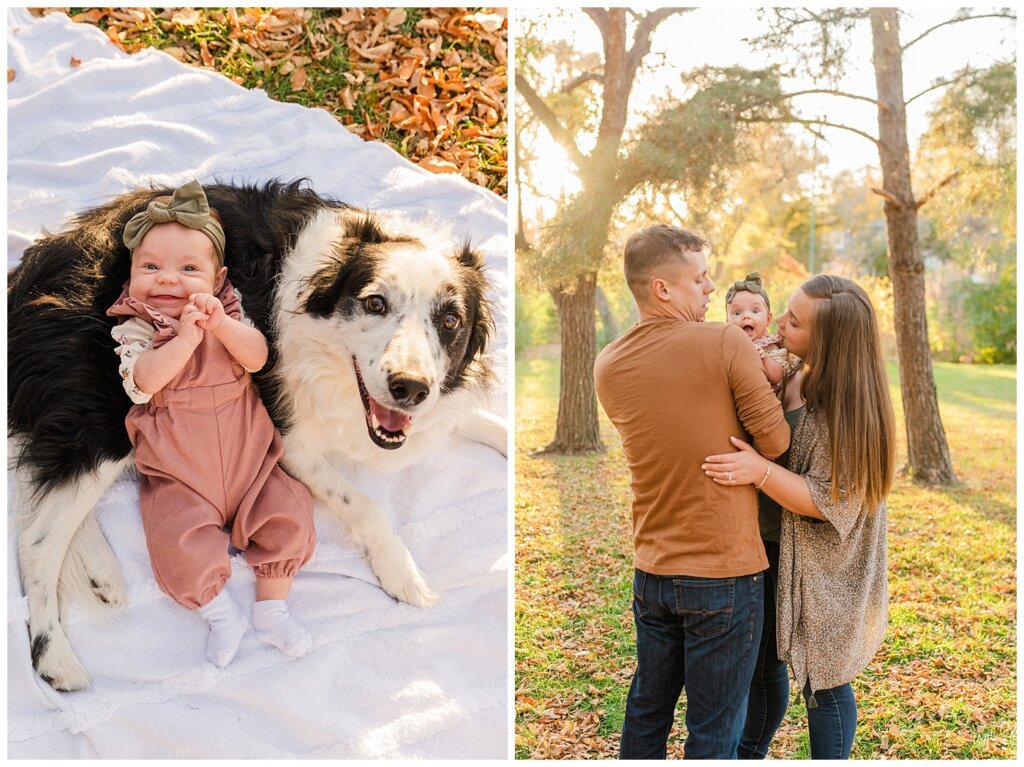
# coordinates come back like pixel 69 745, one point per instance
pixel 700 634
pixel 831 722
pixel 769 689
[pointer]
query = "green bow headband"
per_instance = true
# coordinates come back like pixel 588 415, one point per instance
pixel 188 207
pixel 751 283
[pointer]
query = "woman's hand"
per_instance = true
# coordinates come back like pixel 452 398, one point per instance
pixel 745 467
pixel 212 309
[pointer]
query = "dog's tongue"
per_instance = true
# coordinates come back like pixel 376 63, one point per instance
pixel 392 420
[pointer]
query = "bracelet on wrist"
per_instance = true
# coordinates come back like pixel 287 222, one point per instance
pixel 767 473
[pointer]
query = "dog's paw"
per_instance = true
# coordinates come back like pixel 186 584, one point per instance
pixel 56 664
pixel 400 578
pixel 413 590
pixel 110 592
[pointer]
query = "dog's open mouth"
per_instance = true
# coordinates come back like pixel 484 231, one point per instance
pixel 385 426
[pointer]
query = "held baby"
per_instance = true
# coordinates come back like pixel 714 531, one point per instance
pixel 747 306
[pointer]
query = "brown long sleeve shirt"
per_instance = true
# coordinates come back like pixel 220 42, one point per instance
pixel 676 391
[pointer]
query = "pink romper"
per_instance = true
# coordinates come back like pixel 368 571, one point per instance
pixel 208 454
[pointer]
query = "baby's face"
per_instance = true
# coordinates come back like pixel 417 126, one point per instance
pixel 749 312
pixel 171 263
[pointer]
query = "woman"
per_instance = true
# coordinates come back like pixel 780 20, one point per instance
pixel 831 561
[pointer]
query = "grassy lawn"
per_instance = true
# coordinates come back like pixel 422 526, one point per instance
pixel 943 684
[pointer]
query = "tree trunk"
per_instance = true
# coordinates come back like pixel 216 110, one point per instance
pixel 577 430
pixel 926 439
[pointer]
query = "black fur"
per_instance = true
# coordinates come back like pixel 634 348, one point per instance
pixel 64 395
pixel 471 342
pixel 39 645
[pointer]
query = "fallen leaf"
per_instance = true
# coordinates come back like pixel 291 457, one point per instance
pixel 75 62
pixel 10 75
pixel 437 165
pixel 186 18
pixel 298 79
pixel 396 17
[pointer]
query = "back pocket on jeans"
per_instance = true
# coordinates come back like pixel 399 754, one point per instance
pixel 705 604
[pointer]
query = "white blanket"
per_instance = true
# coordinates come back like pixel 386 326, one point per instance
pixel 383 679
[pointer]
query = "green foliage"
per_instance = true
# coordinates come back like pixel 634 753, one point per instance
pixel 536 319
pixel 971 144
pixel 991 313
pixel 693 145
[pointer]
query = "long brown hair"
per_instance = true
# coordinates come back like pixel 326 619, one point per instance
pixel 846 381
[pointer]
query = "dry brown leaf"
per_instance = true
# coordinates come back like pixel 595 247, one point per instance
pixel 298 79
pixel 176 52
pixel 91 16
pixel 11 74
pixel 204 54
pixel 431 26
pixel 396 17
pixel 186 18
pixel 437 165
pixel 491 22
pixel 75 62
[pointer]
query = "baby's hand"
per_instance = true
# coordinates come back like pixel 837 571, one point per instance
pixel 761 353
pixel 190 329
pixel 212 309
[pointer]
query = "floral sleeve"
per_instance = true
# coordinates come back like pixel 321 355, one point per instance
pixel 134 337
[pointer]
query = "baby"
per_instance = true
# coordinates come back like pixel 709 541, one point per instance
pixel 204 443
pixel 748 308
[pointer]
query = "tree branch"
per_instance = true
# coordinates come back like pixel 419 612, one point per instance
pixel 957 20
pixel 600 18
pixel 550 120
pixel 809 123
pixel 896 201
pixel 876 102
pixel 934 190
pixel 577 81
pixel 942 83
pixel 642 37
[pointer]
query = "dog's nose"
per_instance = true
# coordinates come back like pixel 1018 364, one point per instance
pixel 409 391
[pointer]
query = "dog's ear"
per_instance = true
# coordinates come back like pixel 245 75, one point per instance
pixel 479 316
pixel 365 228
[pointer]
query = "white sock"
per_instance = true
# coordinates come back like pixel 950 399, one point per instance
pixel 273 625
pixel 227 625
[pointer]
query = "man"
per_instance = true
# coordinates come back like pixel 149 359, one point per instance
pixel 676 389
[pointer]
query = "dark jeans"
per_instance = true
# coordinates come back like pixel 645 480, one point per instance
pixel 769 689
pixel 700 634
pixel 833 720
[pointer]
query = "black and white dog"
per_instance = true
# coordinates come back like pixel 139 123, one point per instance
pixel 377 327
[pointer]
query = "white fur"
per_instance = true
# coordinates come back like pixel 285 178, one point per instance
pixel 327 415
pixel 44 541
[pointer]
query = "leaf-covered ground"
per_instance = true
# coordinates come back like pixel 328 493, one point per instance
pixel 430 82
pixel 942 686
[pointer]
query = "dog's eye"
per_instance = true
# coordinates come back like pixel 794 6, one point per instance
pixel 375 304
pixel 451 321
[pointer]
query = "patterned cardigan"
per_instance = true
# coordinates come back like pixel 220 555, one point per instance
pixel 833 587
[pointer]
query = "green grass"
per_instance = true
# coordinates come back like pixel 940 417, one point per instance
pixel 942 686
